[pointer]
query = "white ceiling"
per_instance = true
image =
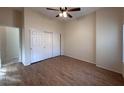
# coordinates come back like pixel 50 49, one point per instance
pixel 52 14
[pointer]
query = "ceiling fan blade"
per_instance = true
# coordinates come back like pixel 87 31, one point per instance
pixel 57 15
pixel 69 15
pixel 52 9
pixel 74 9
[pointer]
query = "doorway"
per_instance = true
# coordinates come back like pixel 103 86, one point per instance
pixel 10 50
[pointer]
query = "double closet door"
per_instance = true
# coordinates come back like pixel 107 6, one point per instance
pixel 42 45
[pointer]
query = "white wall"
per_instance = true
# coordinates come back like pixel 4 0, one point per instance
pixel 79 38
pixel 109 39
pixel 35 20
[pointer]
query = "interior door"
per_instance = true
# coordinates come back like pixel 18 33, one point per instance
pixel 37 46
pixel 56 44
pixel 48 38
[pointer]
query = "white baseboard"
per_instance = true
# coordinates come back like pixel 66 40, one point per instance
pixel 26 62
pixel 80 59
pixel 108 69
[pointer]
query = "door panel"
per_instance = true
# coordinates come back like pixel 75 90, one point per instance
pixel 37 43
pixel 56 44
pixel 48 44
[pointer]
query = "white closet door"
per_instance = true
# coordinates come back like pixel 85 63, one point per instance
pixel 48 44
pixel 56 44
pixel 37 46
pixel 44 45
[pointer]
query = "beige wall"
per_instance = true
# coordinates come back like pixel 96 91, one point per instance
pixel 10 17
pixel 6 17
pixel 35 20
pixel 79 38
pixel 109 39
pixel 96 39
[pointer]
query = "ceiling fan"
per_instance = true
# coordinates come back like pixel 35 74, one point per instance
pixel 64 11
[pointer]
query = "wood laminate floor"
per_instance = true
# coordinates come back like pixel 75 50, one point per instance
pixel 60 71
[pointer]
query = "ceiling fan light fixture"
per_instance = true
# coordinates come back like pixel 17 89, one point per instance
pixel 60 14
pixel 64 14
